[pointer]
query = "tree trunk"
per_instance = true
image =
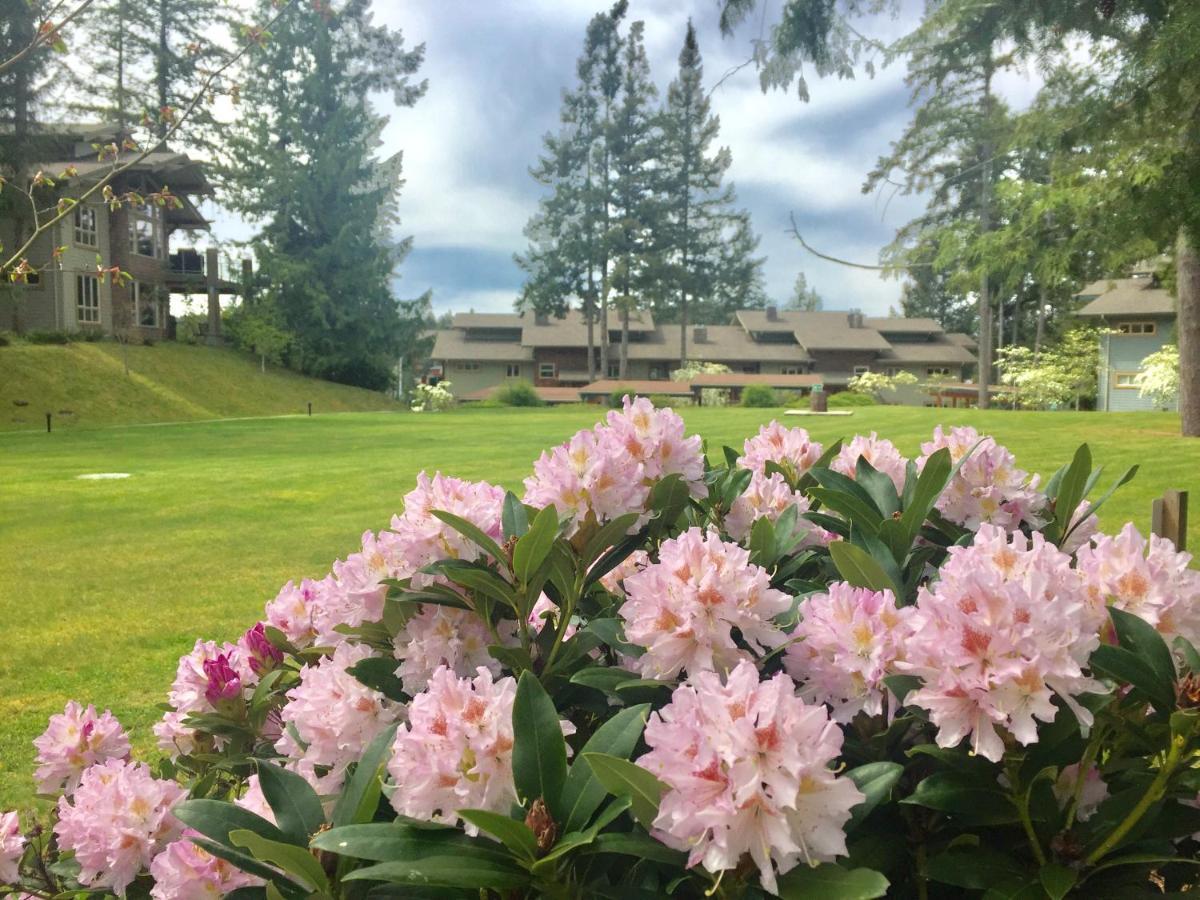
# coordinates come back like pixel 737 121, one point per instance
pixel 624 364
pixel 985 225
pixel 162 71
pixel 1040 334
pixel 1187 333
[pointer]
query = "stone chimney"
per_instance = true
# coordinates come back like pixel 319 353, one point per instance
pixel 772 313
pixel 700 335
pixel 541 318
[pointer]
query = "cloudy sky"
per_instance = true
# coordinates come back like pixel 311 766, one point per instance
pixel 496 72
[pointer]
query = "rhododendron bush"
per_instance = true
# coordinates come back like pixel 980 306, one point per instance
pixel 798 671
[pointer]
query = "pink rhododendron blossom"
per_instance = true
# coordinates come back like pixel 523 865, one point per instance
pixel 260 654
pixel 613 580
pixel 657 439
pixel 334 715
pixel 1094 790
pixel 456 750
pixel 879 452
pixel 1008 625
pixel 73 740
pixel 292 612
pixel 789 448
pixel 223 683
pixel 849 640
pixel 186 871
pixel 1150 579
pixel 418 537
pixel 989 488
pixel 767 497
pixel 607 471
pixel 12 846
pixel 1083 530
pixel 444 636
pixel 190 691
pixel 748 771
pixel 683 609
pixel 118 819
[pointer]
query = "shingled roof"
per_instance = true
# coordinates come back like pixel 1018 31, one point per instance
pixel 451 343
pixel 940 351
pixel 1126 297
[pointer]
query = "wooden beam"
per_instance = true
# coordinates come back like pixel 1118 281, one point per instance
pixel 1168 517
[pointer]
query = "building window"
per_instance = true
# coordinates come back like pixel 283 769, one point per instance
pixel 791 370
pixel 656 373
pixel 145 305
pixel 893 371
pixel 750 369
pixel 87 298
pixel 85 226
pixel 1137 328
pixel 547 370
pixel 145 232
pixel 861 370
pixel 467 366
pixel 938 370
pixel 513 371
pixel 1126 381
pixel 614 370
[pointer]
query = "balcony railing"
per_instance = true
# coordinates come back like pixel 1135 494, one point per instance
pixel 189 264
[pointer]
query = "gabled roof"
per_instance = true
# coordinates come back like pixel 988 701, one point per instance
pixel 929 352
pixel 902 325
pixel 824 330
pixel 571 330
pixel 1126 297
pixel 963 340
pixel 488 320
pixel 721 343
pixel 452 344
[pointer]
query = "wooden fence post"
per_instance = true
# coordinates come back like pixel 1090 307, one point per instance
pixel 1168 517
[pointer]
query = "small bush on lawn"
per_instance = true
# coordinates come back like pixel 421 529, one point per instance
pixel 5 339
pixel 847 399
pixel 655 674
pixel 48 337
pixel 518 393
pixel 759 396
pixel 617 398
pixel 662 401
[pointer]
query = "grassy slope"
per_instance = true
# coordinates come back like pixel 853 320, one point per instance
pixel 104 584
pixel 85 386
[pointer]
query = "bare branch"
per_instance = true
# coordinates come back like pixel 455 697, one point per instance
pixel 846 262
pixel 45 34
pixel 152 144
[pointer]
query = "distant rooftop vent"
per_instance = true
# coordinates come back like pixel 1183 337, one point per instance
pixel 855 317
pixel 541 318
pixel 700 336
pixel 772 313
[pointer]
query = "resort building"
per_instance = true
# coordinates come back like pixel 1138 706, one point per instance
pixel 71 292
pixel 481 351
pixel 1139 317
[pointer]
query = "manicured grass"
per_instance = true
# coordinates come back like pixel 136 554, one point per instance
pixel 103 584
pixel 85 386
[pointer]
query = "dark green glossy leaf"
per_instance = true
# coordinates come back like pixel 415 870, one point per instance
pixel 461 870
pixel 583 792
pixel 473 533
pixel 876 781
pixel 539 751
pixel 215 819
pixel 859 569
pixel 379 674
pixel 513 518
pixel 516 836
pixel 298 862
pixel 354 804
pixel 622 778
pixel 296 805
pixel 532 549
pixel 830 881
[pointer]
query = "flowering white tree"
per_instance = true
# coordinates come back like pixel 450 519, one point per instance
pixel 1057 376
pixel 873 384
pixel 1159 378
pixel 708 396
pixel 432 397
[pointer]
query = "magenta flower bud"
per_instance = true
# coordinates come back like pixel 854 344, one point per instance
pixel 223 681
pixel 261 654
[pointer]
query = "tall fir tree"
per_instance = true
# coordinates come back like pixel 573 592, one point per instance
pixel 805 298
pixel 112 82
pixel 700 227
pixel 634 140
pixel 302 160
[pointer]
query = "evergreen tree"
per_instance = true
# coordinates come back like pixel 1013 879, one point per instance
pixel 634 142
pixel 111 84
pixel 805 298
pixel 700 228
pixel 737 281
pixel 302 160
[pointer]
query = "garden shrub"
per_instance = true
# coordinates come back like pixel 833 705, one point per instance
pixel 5 338
pixel 662 401
pixel 518 393
pixel 759 396
pixel 794 671
pixel 432 397
pixel 616 399
pixel 48 337
pixel 850 399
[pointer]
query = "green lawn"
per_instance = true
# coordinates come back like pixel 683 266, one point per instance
pixel 103 584
pixel 84 385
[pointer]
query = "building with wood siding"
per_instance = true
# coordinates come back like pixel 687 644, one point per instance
pixel 1139 317
pixel 482 350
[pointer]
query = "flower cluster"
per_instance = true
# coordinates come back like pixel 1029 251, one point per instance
pixel 75 739
pixel 767 497
pixel 456 750
pixel 443 636
pixel 1007 625
pixel 117 820
pixel 847 641
pixel 608 471
pixel 747 769
pixel 206 676
pixel 1150 579
pixel 12 846
pixel 988 488
pixel 879 452
pixel 789 448
pixel 684 608
pixel 331 717
pixel 186 871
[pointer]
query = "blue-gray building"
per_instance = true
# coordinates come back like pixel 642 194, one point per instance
pixel 1140 317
